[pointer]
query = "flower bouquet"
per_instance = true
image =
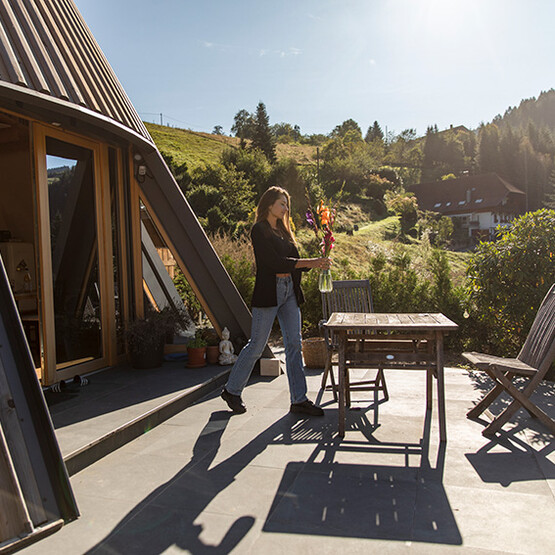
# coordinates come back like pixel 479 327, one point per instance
pixel 321 220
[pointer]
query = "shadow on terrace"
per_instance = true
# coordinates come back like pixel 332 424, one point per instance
pixel 123 387
pixel 318 496
pixel 543 396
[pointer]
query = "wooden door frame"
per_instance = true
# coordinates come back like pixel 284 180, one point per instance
pixel 135 215
pixel 51 372
pixel 123 244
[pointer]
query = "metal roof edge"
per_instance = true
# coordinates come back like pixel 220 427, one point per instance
pixel 42 102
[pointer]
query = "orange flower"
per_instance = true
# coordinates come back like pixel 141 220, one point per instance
pixel 324 213
pixel 321 221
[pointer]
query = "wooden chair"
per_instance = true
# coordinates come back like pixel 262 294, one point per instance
pixel 348 296
pixel 533 362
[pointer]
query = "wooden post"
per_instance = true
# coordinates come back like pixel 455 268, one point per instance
pixel 429 377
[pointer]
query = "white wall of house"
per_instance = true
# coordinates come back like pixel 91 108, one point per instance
pixel 489 221
pixel 485 220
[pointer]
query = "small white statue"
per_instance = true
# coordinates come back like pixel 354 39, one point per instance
pixel 226 349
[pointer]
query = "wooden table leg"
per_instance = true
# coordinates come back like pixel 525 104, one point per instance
pixel 440 387
pixel 342 339
pixel 429 391
pixel 429 377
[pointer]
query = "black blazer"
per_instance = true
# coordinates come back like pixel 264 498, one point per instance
pixel 273 255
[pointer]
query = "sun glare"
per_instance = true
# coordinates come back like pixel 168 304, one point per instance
pixel 443 10
pixel 444 16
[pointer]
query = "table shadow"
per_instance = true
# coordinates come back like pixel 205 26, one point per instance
pixel 375 501
pixel 317 496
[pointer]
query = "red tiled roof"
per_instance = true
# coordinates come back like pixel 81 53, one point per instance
pixel 486 192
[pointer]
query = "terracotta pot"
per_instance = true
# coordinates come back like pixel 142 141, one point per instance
pixel 197 357
pixel 212 354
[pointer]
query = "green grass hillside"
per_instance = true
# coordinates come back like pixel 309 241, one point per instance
pixel 374 237
pixel 197 149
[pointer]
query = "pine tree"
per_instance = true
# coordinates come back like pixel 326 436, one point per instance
pixel 489 157
pixel 549 200
pixel 262 134
pixel 374 133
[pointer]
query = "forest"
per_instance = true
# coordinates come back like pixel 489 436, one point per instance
pixel 372 168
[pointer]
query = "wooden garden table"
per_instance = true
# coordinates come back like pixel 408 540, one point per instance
pixel 392 341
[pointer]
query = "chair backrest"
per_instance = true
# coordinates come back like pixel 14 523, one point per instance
pixel 539 348
pixel 352 295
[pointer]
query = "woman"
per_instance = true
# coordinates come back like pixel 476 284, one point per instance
pixel 277 292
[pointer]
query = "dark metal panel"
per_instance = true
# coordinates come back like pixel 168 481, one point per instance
pixel 72 117
pixel 106 75
pixel 41 444
pixel 44 61
pixel 57 70
pixel 8 59
pixel 101 72
pixel 84 42
pixel 81 66
pixel 156 276
pixel 192 246
pixel 57 43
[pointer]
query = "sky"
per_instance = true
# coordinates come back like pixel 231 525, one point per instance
pixel 315 63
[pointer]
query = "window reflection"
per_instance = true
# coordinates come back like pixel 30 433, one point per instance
pixel 74 250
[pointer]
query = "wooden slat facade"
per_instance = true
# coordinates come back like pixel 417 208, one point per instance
pixel 53 74
pixel 46 47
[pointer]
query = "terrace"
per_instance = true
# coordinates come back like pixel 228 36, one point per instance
pixel 269 481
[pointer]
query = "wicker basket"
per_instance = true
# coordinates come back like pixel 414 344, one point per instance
pixel 314 352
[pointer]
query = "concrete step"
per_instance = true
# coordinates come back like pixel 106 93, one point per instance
pixel 120 404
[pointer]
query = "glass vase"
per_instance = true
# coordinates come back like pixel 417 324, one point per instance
pixel 325 283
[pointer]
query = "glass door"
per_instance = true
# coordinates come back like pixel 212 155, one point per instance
pixel 74 252
pixel 76 286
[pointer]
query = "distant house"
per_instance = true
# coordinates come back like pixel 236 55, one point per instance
pixel 478 204
pixel 457 129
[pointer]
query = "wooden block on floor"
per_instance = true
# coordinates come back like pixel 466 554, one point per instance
pixel 270 367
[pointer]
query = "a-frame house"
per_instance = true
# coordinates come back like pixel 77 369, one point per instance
pixel 77 167
pixel 78 173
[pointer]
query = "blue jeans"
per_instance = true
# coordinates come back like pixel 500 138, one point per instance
pixel 289 317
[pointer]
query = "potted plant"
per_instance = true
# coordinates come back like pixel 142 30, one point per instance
pixel 172 320
pixel 146 336
pixel 145 341
pixel 212 345
pixel 196 351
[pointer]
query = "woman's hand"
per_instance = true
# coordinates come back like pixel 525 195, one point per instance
pixel 324 263
pixel 320 263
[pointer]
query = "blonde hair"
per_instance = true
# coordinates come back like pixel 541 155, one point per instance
pixel 263 209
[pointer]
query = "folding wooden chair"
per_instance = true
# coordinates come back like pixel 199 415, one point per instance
pixel 348 296
pixel 533 362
